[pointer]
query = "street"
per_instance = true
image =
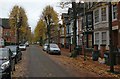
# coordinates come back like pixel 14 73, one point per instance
pixel 37 63
pixel 40 65
pixel 84 35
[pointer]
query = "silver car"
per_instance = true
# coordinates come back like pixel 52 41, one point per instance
pixel 54 49
pixel 45 47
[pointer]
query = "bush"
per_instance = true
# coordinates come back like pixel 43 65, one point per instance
pixel 74 54
pixel 9 43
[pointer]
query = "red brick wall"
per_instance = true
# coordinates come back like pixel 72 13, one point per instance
pixel 9 38
pixel 13 38
pixel 6 37
pixel 115 23
pixel 119 24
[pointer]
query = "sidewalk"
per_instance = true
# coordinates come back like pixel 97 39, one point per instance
pixel 93 66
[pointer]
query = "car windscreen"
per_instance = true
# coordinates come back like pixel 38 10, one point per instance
pixel 45 44
pixel 4 54
pixel 53 46
pixel 21 45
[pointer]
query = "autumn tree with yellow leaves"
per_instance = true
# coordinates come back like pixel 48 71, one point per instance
pixel 40 32
pixel 18 14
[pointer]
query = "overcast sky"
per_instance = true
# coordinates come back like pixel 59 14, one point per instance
pixel 33 8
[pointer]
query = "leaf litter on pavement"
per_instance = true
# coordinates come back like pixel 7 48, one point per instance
pixel 86 66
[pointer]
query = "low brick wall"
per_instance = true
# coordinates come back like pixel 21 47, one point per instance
pixel 88 52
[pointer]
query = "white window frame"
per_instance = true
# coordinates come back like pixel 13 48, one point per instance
pixel 104 15
pixel 98 41
pixel 97 15
pixel 104 38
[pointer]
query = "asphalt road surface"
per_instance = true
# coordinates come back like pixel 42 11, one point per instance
pixel 40 65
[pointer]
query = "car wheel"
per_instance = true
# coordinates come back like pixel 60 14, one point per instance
pixel 48 52
pixel 14 68
pixel 59 53
pixel 16 61
pixel 9 74
pixel 20 58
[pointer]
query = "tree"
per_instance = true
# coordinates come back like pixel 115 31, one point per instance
pixel 40 30
pixel 41 27
pixel 18 19
pixel 49 11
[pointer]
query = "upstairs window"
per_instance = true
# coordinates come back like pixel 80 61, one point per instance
pixel 103 14
pixel 96 14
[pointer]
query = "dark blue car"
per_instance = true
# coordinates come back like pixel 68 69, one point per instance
pixel 7 64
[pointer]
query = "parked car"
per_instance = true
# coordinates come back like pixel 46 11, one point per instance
pixel 27 44
pixel 54 49
pixel 7 63
pixel 16 52
pixel 22 47
pixel 45 47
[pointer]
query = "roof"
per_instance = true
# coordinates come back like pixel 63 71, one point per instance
pixel 5 23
